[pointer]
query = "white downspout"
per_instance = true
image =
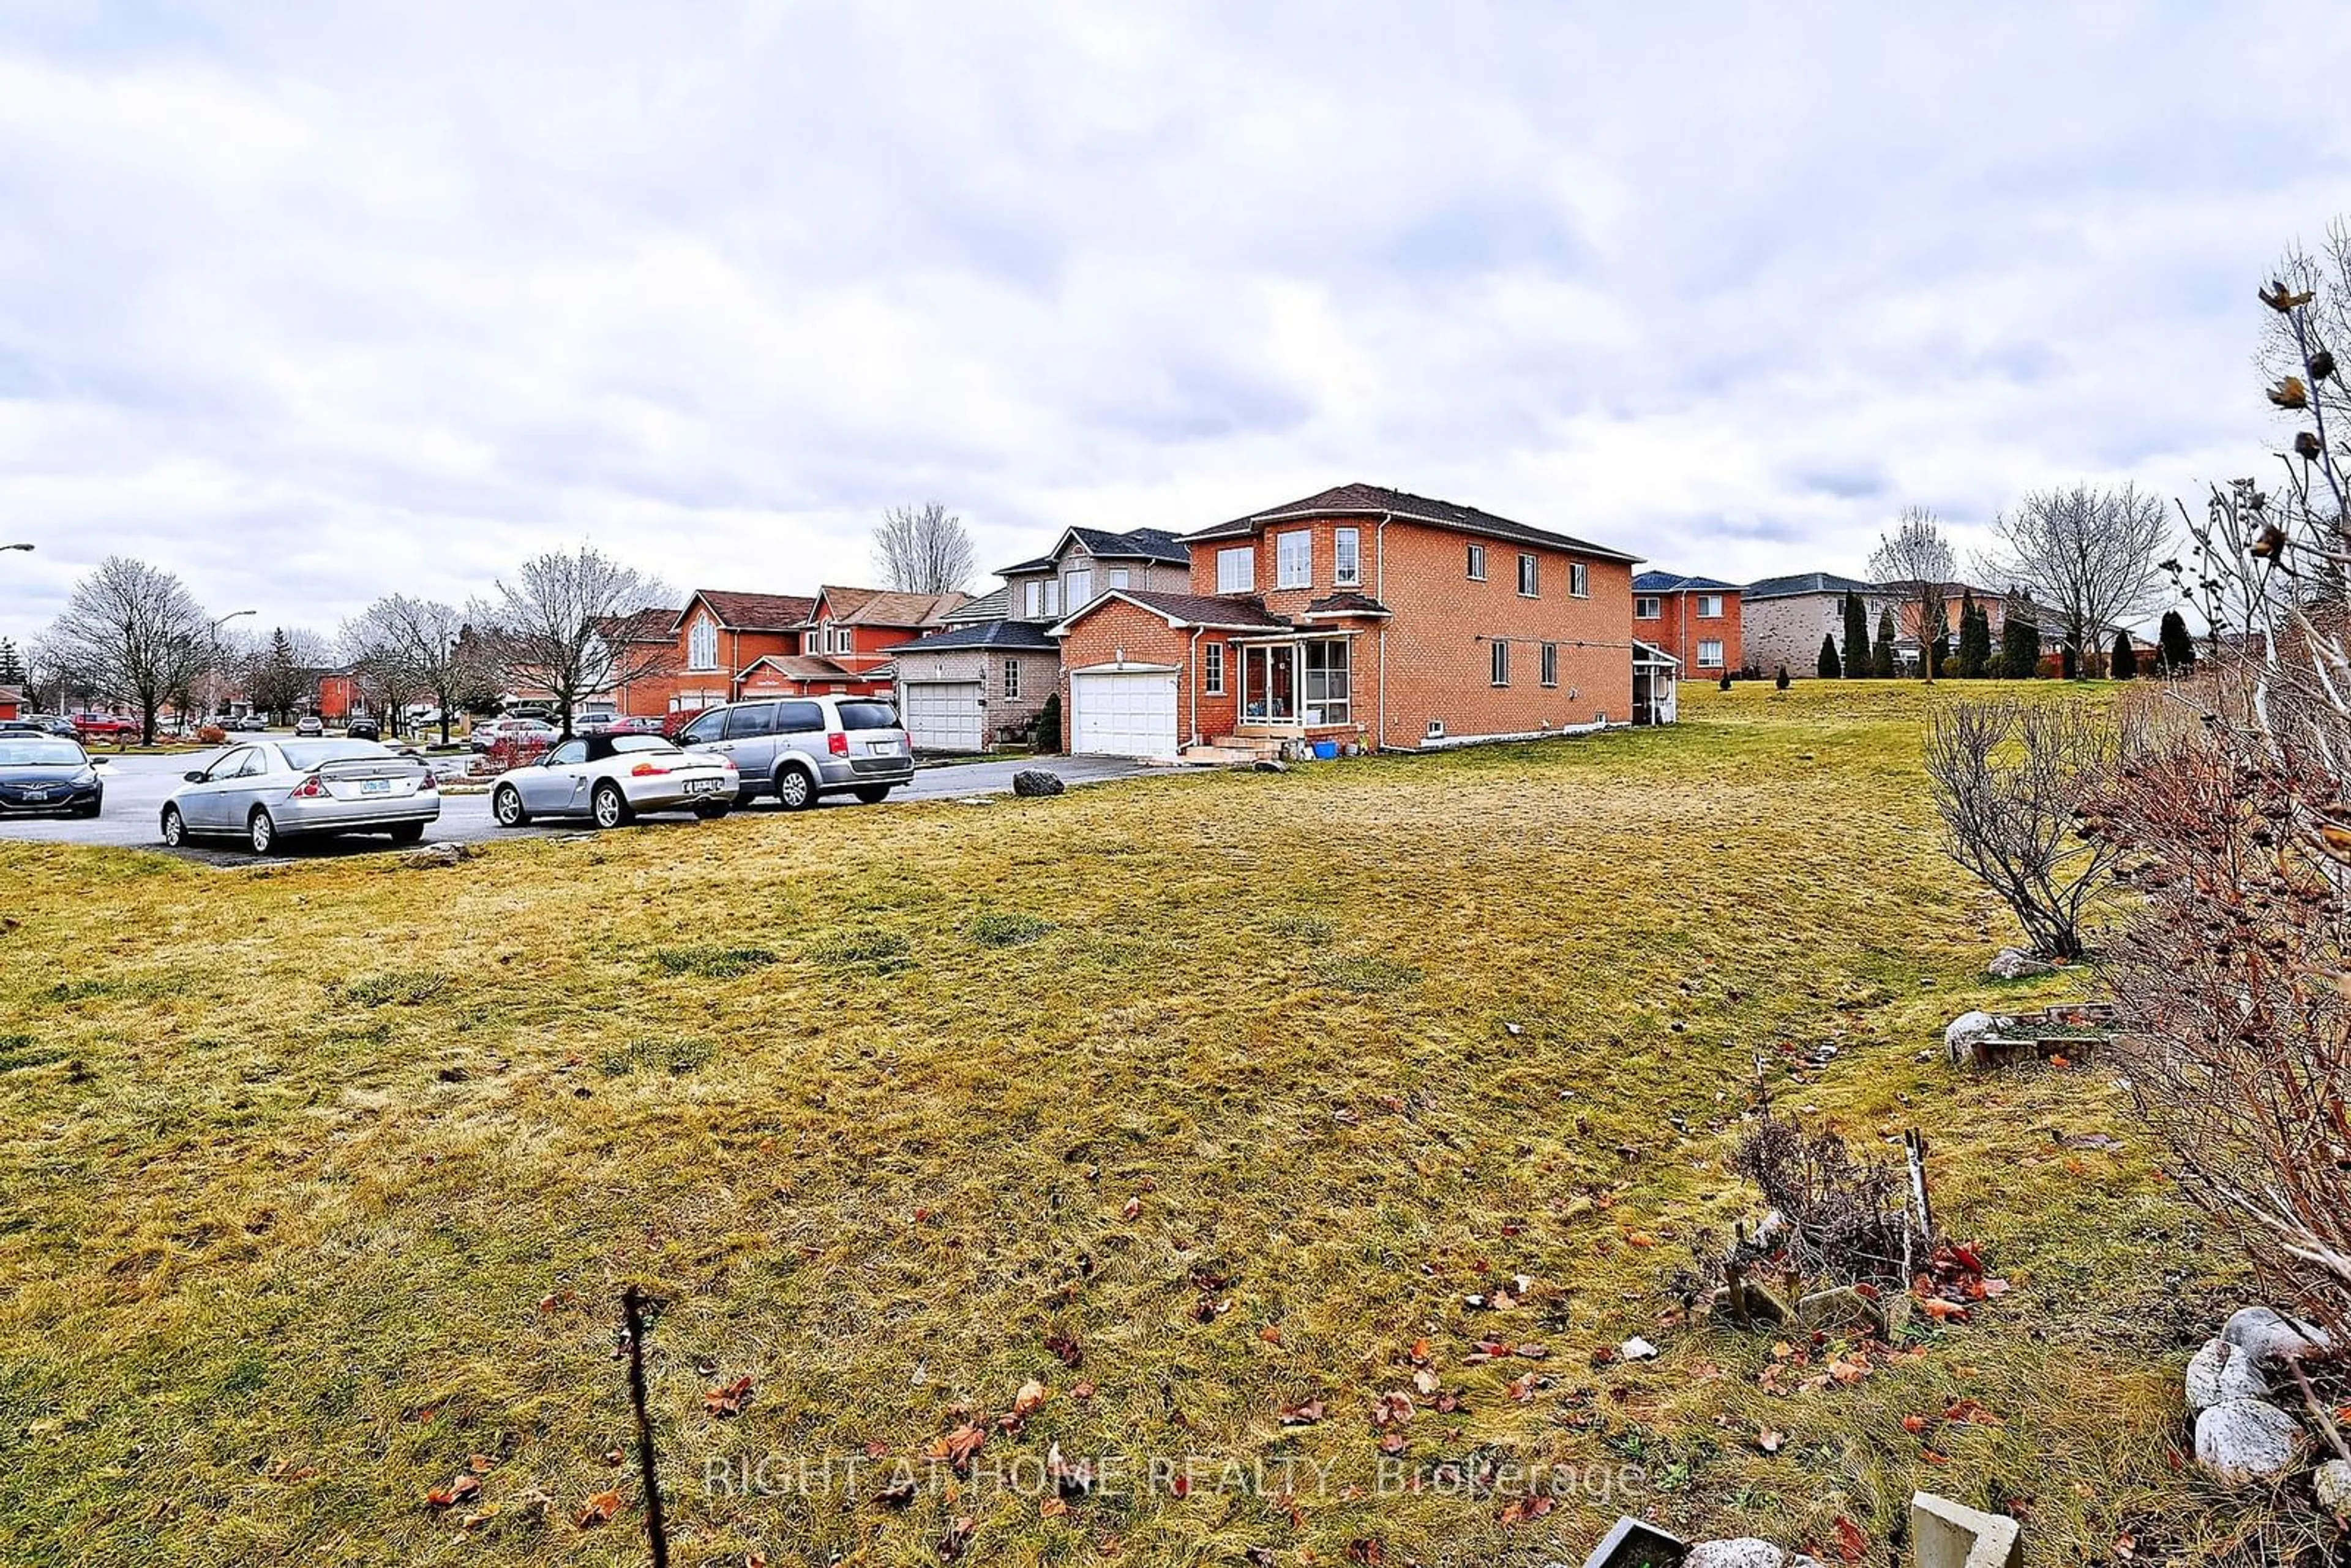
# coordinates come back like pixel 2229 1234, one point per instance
pixel 1380 592
pixel 1191 679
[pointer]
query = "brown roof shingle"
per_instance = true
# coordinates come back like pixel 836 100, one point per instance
pixel 1367 500
pixel 885 607
pixel 739 612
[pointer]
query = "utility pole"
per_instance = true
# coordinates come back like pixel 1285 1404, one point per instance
pixel 212 665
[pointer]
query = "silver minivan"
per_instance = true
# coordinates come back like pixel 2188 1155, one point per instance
pixel 801 749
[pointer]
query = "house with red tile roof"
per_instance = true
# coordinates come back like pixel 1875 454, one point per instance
pixel 845 642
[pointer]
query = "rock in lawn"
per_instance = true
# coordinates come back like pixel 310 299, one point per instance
pixel 1272 765
pixel 1638 1349
pixel 2220 1372
pixel 1841 1310
pixel 2266 1336
pixel 1745 1552
pixel 2332 1484
pixel 2246 1440
pixel 431 855
pixel 1035 782
pixel 1962 1040
pixel 2015 964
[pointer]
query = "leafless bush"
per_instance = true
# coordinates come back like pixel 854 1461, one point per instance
pixel 2010 777
pixel 1848 1218
pixel 2231 984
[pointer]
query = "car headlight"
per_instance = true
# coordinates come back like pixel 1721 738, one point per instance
pixel 86 776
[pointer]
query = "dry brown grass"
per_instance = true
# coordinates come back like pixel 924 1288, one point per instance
pixel 290 1160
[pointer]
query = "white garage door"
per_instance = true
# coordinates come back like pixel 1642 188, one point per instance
pixel 1125 712
pixel 945 716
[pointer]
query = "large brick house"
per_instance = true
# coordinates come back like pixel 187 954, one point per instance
pixel 1781 619
pixel 713 643
pixel 1694 619
pixel 1358 615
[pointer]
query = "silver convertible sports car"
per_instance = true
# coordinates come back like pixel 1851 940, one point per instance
pixel 276 789
pixel 609 778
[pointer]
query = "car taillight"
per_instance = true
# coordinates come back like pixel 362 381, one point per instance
pixel 728 763
pixel 310 788
pixel 836 743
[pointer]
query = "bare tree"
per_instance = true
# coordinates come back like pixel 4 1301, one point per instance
pixel 2010 777
pixel 1915 561
pixel 923 549
pixel 2232 986
pixel 418 645
pixel 132 634
pixel 551 627
pixel 2092 555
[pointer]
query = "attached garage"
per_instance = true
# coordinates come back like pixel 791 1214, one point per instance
pixel 945 716
pixel 1128 710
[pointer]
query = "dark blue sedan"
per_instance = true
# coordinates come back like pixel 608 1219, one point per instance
pixel 47 774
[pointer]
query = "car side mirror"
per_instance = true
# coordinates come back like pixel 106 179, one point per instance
pixel 98 762
pixel 196 776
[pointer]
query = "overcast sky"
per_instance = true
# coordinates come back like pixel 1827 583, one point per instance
pixel 310 303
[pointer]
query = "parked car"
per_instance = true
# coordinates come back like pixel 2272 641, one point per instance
pixel 513 731
pixel 801 749
pixel 104 727
pixel 362 728
pixel 247 723
pixel 309 727
pixel 610 778
pixel 265 792
pixel 48 724
pixel 48 773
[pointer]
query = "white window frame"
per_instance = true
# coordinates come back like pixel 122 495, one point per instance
pixel 1012 679
pixel 1335 681
pixel 1052 599
pixel 1346 558
pixel 1078 587
pixel 1648 607
pixel 1236 569
pixel 1709 607
pixel 1475 566
pixel 1706 661
pixel 702 645
pixel 1551 664
pixel 1118 578
pixel 1579 581
pixel 1529 575
pixel 1212 669
pixel 842 640
pixel 1032 597
pixel 1297 572
pixel 1498 662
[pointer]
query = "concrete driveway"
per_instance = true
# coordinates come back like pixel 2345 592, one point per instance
pixel 136 788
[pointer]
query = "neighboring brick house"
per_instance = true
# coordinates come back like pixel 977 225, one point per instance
pixel 1086 562
pixel 12 703
pixel 712 643
pixel 1694 619
pixel 845 641
pixel 1781 619
pixel 972 687
pixel 1362 614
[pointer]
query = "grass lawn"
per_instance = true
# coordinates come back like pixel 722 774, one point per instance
pixel 315 1181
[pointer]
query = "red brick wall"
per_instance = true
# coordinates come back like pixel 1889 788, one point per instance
pixel 1123 631
pixel 1679 629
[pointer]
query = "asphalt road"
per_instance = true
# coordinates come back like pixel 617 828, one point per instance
pixel 136 788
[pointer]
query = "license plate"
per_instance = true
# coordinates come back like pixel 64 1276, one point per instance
pixel 701 786
pixel 375 786
pixel 883 747
pixel 37 794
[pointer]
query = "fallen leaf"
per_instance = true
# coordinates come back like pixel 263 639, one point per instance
pixel 1393 1408
pixel 1065 1349
pixel 480 1463
pixel 1302 1414
pixel 959 1446
pixel 729 1400
pixel 1051 1507
pixel 600 1508
pixel 1133 1207
pixel 1852 1544
pixel 1270 1334
pixel 1032 1395
pixel 479 1517
pixel 1081 1390
pixel 465 1485
pixel 1914 1423
pixel 1769 1440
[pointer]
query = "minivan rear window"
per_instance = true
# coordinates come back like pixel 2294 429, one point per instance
pixel 868 716
pixel 799 718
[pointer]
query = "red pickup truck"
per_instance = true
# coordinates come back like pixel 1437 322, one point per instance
pixel 104 727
